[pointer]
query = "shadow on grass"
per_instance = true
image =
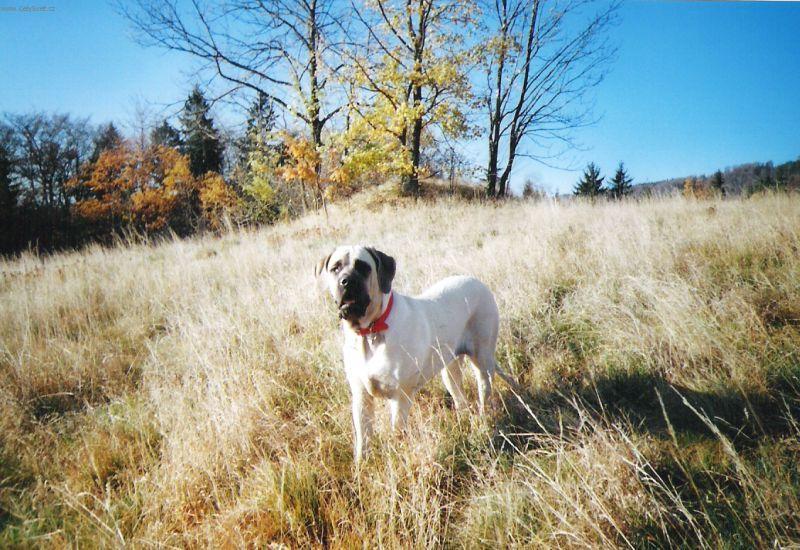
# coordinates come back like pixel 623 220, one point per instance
pixel 634 399
pixel 755 423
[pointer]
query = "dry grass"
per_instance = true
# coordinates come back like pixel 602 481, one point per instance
pixel 191 393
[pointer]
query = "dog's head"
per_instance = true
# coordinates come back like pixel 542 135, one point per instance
pixel 357 277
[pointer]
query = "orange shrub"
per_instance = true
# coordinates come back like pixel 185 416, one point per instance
pixel 150 189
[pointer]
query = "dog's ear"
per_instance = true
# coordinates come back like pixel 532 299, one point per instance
pixel 385 268
pixel 322 265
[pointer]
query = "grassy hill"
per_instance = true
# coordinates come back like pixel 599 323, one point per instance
pixel 191 393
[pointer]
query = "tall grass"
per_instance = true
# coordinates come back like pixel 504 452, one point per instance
pixel 191 393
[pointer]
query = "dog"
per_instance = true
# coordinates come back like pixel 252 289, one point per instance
pixel 394 344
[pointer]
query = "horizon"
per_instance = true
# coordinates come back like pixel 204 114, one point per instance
pixel 695 87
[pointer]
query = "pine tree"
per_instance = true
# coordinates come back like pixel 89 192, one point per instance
pixel 620 183
pixel 201 141
pixel 718 182
pixel 258 157
pixel 166 135
pixel 591 184
pixel 108 137
pixel 261 118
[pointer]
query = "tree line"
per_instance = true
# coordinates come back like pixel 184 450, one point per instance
pixel 744 179
pixel 740 180
pixel 64 182
pixel 335 94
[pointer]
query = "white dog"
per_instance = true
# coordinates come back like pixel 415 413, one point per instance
pixel 394 344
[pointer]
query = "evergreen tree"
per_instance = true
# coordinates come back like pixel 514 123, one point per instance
pixel 167 135
pixel 201 141
pixel 261 118
pixel 718 182
pixel 259 155
pixel 591 184
pixel 620 183
pixel 108 137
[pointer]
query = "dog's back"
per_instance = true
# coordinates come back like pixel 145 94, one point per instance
pixel 464 294
pixel 466 299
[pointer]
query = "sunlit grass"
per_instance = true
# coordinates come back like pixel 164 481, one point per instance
pixel 191 392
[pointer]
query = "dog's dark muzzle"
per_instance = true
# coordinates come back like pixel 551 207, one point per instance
pixel 353 299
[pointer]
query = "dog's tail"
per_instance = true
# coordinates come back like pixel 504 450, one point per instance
pixel 518 392
pixel 508 380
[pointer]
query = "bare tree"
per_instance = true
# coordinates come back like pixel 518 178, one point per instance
pixel 46 150
pixel 50 150
pixel 543 56
pixel 443 160
pixel 141 121
pixel 277 48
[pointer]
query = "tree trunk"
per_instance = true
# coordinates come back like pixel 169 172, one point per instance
pixel 502 185
pixel 303 196
pixel 495 115
pixel 411 181
pixel 515 133
pixel 491 171
pixel 314 107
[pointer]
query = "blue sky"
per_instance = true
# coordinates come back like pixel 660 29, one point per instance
pixel 80 58
pixel 696 86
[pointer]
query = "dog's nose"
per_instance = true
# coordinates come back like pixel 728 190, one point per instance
pixel 346 281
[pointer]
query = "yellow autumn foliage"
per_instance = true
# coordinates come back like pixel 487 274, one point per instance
pixel 397 88
pixel 216 198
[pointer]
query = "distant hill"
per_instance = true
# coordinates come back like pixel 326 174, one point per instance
pixel 741 179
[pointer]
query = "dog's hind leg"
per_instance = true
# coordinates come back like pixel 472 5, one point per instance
pixel 483 367
pixel 451 376
pixel 483 327
pixel 399 407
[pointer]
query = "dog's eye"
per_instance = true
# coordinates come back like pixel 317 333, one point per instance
pixel 336 268
pixel 363 268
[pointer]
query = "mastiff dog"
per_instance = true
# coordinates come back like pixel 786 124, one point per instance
pixel 394 344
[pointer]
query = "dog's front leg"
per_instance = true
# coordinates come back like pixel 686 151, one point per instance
pixel 363 413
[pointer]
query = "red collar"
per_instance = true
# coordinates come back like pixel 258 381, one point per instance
pixel 379 324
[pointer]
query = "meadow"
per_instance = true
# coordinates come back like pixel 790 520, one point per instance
pixel 190 393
